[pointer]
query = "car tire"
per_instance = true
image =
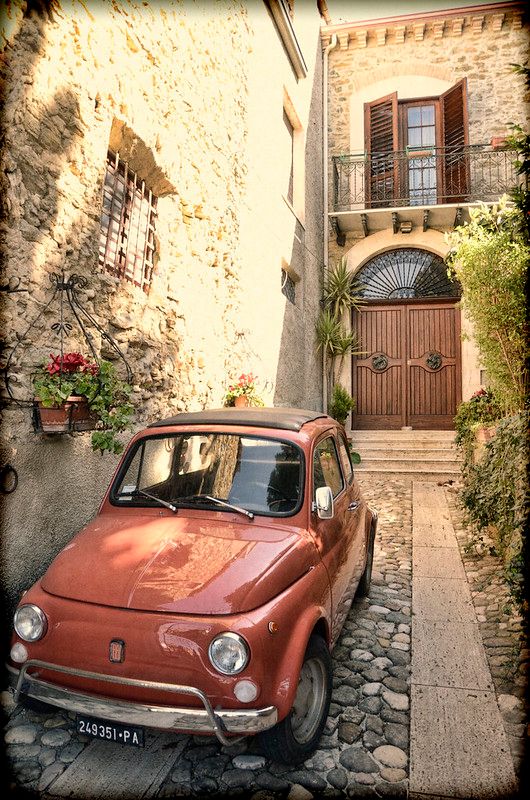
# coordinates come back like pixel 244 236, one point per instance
pixel 364 584
pixel 297 736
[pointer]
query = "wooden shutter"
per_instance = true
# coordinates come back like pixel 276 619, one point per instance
pixel 381 143
pixel 455 139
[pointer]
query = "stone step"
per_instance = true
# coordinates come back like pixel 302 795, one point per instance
pixel 406 439
pixel 416 465
pixel 405 475
pixel 412 453
pixel 404 445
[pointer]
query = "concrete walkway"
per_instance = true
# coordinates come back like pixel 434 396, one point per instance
pixel 458 743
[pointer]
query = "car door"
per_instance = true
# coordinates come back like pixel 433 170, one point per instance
pixel 339 539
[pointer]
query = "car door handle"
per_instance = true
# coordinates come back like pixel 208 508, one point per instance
pixel 354 506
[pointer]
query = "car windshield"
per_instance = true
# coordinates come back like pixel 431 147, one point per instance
pixel 263 476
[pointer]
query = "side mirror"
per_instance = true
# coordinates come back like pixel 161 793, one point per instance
pixel 324 502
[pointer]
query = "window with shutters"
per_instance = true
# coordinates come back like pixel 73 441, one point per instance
pixel 127 232
pixel 416 149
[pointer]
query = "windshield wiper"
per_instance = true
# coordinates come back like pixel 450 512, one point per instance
pixel 200 497
pixel 157 500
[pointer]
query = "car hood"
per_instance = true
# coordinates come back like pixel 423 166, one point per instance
pixel 192 565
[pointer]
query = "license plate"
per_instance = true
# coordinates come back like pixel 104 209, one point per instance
pixel 110 731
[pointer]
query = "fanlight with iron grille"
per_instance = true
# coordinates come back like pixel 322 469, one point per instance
pixel 406 273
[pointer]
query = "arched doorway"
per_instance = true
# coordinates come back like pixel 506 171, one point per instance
pixel 409 373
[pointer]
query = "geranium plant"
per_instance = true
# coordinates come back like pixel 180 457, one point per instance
pixel 245 387
pixel 72 375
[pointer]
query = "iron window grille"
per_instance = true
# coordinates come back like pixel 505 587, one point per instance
pixel 288 287
pixel 127 234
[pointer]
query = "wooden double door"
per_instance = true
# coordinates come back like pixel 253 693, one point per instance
pixel 409 373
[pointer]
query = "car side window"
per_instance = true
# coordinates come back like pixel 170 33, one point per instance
pixel 326 467
pixel 345 460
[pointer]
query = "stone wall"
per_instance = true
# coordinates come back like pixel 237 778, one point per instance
pixel 172 87
pixel 422 56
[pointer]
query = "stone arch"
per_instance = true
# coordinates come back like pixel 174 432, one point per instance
pixel 383 241
pixel 404 273
pixel 402 68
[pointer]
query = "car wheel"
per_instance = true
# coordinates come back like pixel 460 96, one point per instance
pixel 366 577
pixel 294 738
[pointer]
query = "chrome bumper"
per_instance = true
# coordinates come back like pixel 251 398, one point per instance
pixel 195 720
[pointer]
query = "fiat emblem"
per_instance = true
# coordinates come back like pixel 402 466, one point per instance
pixel 117 651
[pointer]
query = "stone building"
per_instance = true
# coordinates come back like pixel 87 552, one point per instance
pixel 419 107
pixel 171 154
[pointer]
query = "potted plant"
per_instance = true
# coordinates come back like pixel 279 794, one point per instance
pixel 75 394
pixel 243 393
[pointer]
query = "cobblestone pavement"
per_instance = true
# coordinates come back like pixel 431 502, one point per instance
pixel 365 748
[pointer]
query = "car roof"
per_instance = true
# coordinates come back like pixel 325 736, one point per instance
pixel 288 419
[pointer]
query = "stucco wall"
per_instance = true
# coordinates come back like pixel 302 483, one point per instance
pixel 177 88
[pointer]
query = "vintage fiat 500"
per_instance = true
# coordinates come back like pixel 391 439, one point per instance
pixel 209 590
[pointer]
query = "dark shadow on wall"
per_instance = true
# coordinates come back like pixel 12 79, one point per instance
pixel 299 371
pixel 37 146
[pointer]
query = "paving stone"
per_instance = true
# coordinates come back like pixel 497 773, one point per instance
pixel 345 695
pixel 364 778
pixel 379 610
pixel 338 778
pixel 396 701
pixel 308 780
pixel 298 792
pixel 70 752
pixel 272 782
pixel 357 760
pixel 391 756
pixel 23 734
pixel 397 735
pixel 55 738
pixel 238 778
pixel 49 775
pixel 47 756
pixel 22 752
pixel 352 715
pixel 371 689
pixel 372 705
pixel 371 740
pixel 393 775
pixel 374 723
pixel 349 732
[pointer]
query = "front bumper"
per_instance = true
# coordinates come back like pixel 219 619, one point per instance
pixel 195 720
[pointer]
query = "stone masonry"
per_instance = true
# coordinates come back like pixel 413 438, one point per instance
pixel 180 90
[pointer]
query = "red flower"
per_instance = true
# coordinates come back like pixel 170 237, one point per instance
pixel 70 362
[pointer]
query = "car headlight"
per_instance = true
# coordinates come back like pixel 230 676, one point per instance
pixel 229 653
pixel 30 623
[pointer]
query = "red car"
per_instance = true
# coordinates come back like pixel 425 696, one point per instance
pixel 209 590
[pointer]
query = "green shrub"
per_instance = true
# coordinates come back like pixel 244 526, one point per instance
pixel 489 257
pixel 495 496
pixel 481 409
pixel 342 403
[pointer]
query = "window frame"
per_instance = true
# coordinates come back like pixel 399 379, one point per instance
pixel 138 204
pixel 145 502
pixel 323 438
pixel 385 118
pixel 348 478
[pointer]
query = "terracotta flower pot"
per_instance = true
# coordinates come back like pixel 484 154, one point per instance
pixel 241 401
pixel 73 415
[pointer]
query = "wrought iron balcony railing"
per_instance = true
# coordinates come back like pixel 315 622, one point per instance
pixel 422 176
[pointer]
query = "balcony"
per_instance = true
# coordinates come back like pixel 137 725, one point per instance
pixel 419 187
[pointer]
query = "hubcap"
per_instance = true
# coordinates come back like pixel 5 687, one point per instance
pixel 309 701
